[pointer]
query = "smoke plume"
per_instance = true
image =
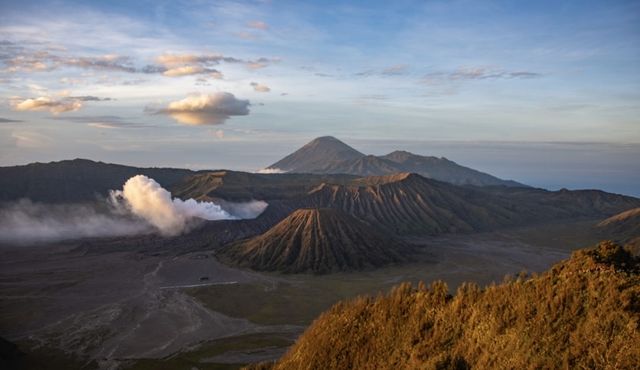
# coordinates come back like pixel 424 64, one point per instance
pixel 25 222
pixel 145 198
pixel 141 207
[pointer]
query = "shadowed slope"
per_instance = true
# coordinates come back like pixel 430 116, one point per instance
pixel 242 186
pixel 319 241
pixel 410 204
pixel 583 313
pixel 73 181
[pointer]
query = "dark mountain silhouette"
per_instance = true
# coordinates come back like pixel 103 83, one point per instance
pixel 330 155
pixel 73 181
pixel 318 241
pixel 582 313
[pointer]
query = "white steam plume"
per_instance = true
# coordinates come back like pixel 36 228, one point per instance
pixel 145 198
pixel 270 170
pixel 26 222
pixel 244 210
pixel 141 207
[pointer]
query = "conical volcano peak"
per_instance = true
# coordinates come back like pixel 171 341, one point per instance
pixel 318 156
pixel 317 240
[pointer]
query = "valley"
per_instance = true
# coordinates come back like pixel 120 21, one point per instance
pixel 109 308
pixel 226 268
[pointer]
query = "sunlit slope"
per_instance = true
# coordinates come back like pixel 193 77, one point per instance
pixel 623 227
pixel 582 313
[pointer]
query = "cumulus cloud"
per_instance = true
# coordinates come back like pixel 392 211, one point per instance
pixel 258 25
pixel 260 87
pixel 43 103
pixel 270 170
pixel 204 109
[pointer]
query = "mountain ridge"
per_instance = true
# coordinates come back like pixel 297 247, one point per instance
pixel 329 155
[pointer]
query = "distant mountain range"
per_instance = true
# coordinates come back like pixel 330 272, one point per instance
pixel 401 203
pixel 395 206
pixel 328 155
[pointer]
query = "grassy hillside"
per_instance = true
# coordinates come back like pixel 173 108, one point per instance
pixel 583 313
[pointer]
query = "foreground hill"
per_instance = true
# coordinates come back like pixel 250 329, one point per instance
pixel 75 181
pixel 623 227
pixel 582 313
pixel 318 241
pixel 329 155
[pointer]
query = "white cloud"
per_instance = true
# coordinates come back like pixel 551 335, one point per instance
pixel 204 109
pixel 191 70
pixel 260 87
pixel 47 103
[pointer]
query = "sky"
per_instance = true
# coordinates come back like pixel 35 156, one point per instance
pixel 543 92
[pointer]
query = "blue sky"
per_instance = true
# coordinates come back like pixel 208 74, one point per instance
pixel 230 84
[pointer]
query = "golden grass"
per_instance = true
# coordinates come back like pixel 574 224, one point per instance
pixel 583 313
